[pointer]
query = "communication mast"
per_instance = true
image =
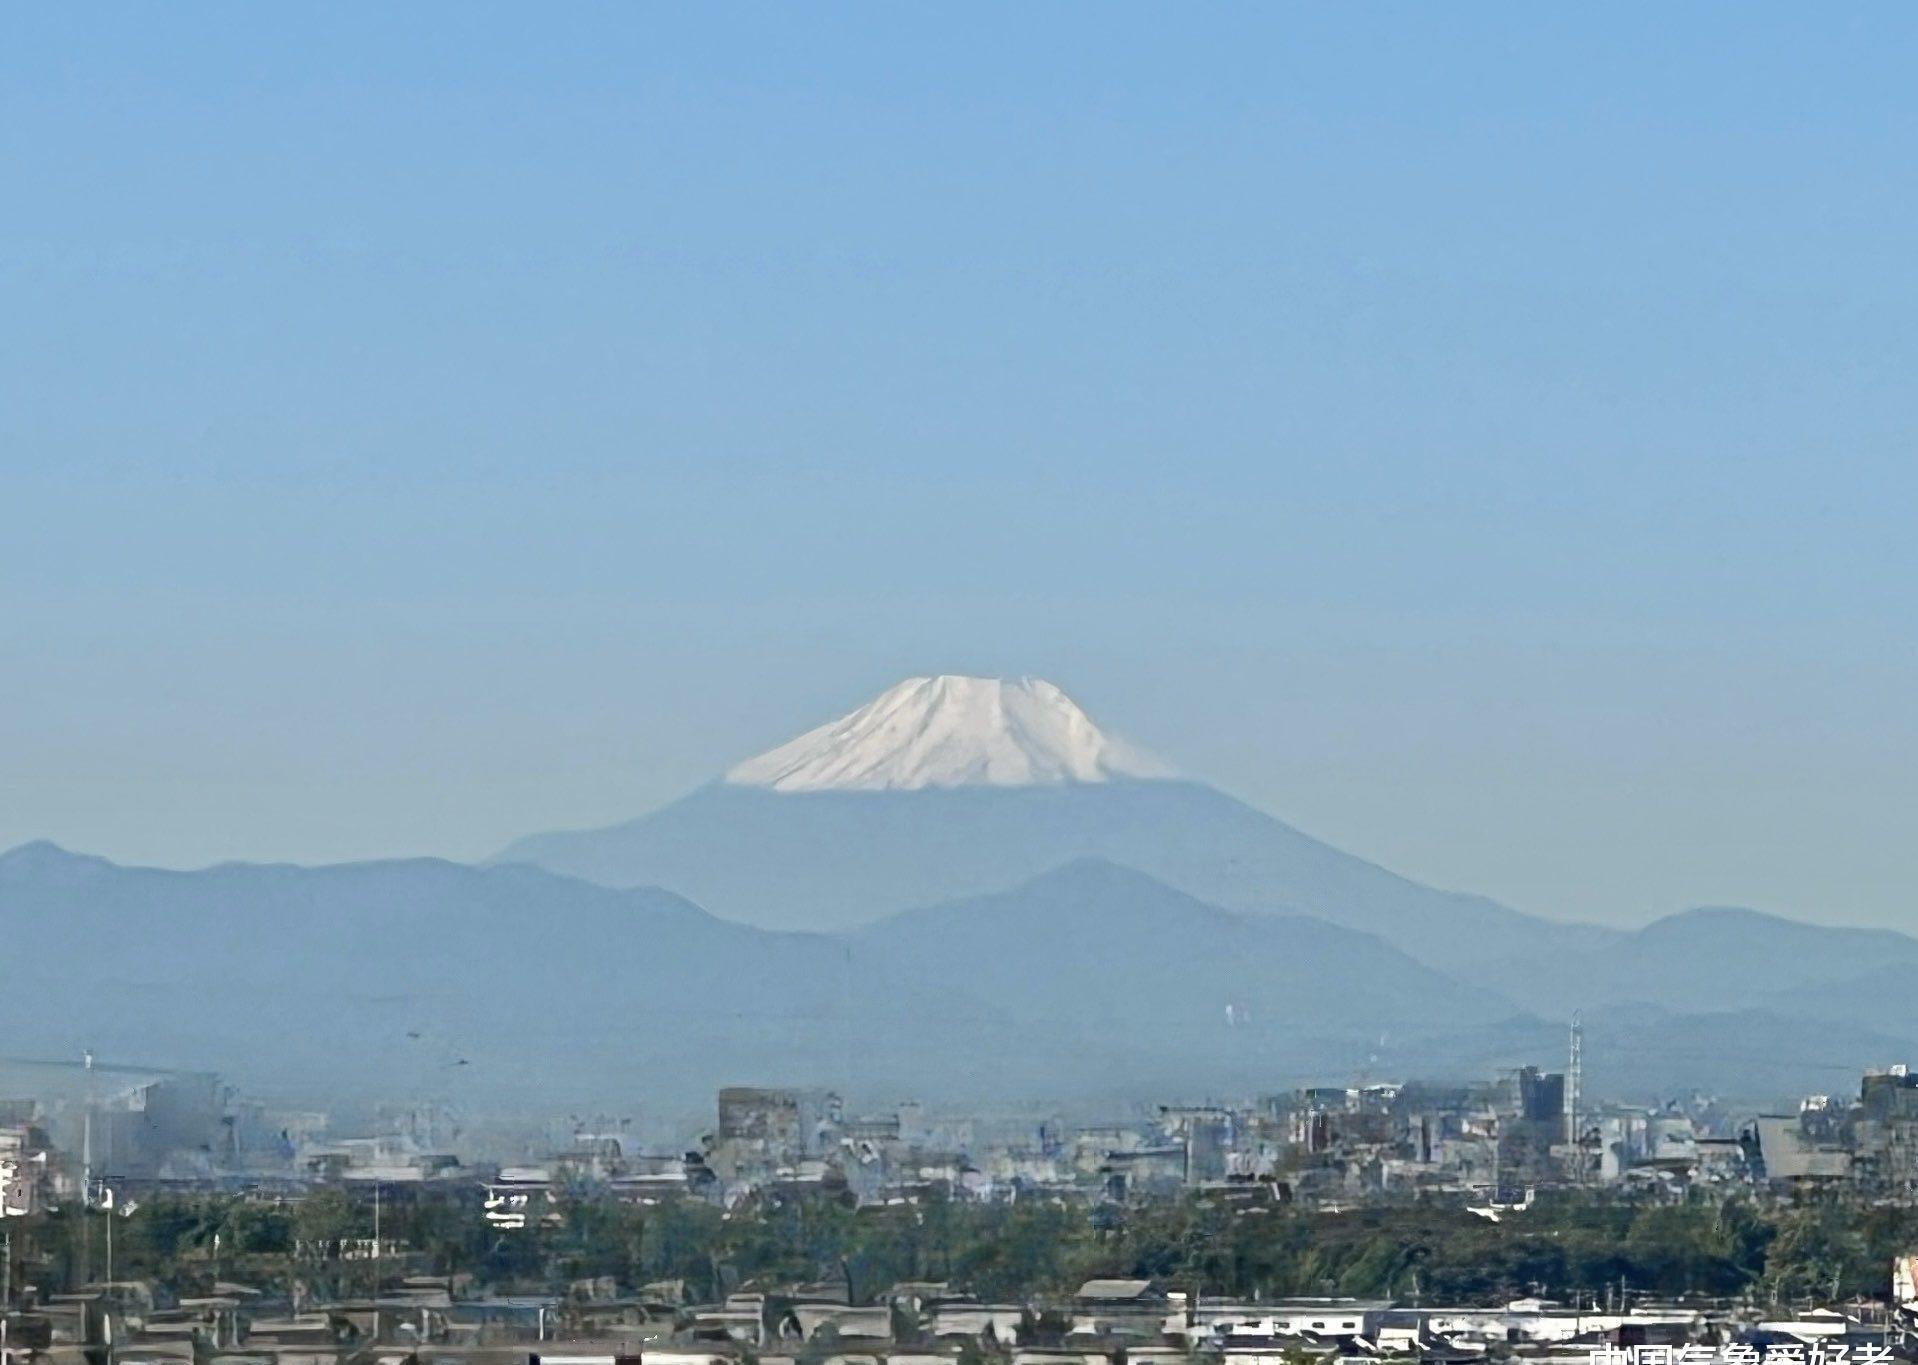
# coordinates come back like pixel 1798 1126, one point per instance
pixel 1574 1078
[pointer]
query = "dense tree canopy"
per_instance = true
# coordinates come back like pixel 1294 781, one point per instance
pixel 1573 1246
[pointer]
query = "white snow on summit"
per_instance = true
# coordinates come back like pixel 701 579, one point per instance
pixel 950 732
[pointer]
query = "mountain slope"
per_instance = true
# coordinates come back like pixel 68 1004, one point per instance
pixel 1098 974
pixel 1096 954
pixel 1198 957
pixel 513 987
pixel 950 787
pixel 836 859
pixel 412 976
pixel 1719 959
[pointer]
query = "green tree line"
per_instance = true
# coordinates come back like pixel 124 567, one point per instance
pixel 1577 1246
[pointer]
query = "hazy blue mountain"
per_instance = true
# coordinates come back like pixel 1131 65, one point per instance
pixel 1771 1055
pixel 1099 958
pixel 1732 1001
pixel 1132 944
pixel 514 986
pixel 1879 999
pixel 951 787
pixel 414 976
pixel 1720 960
pixel 837 859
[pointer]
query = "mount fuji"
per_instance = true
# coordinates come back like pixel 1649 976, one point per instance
pixel 1002 901
pixel 947 788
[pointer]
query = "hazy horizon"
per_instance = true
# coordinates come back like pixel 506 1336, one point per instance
pixel 1481 439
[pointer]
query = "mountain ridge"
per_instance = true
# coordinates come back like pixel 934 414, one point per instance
pixel 514 985
pixel 949 787
pixel 1714 958
pixel 833 860
pixel 513 981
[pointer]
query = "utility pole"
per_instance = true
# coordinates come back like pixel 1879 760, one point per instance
pixel 376 1262
pixel 107 1319
pixel 86 1175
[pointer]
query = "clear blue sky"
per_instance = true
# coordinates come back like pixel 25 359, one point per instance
pixel 1482 435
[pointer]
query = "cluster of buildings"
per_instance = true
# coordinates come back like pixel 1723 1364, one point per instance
pixel 1869 1144
pixel 1483 1144
pixel 439 1320
pixel 63 1124
pixel 69 1132
pixel 1486 1143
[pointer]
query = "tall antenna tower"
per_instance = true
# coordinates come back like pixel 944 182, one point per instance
pixel 1574 1080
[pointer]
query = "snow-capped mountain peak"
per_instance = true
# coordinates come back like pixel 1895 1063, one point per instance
pixel 950 731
